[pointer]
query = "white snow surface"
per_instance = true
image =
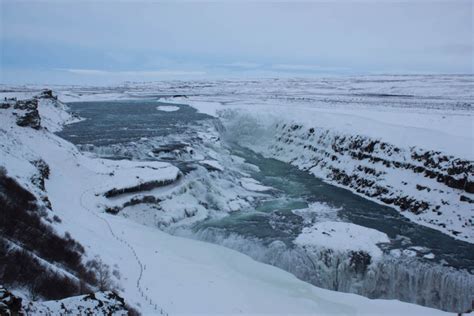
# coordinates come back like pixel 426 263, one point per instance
pixel 167 108
pixel 253 185
pixel 433 129
pixel 180 275
pixel 343 237
pixel 125 173
pixel 205 107
pixel 402 110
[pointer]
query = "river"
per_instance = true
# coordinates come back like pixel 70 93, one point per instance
pixel 420 265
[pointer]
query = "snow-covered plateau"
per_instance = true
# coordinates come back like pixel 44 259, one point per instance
pixel 392 140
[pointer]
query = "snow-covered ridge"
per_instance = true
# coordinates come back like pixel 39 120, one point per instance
pixel 322 235
pixel 52 114
pixel 100 303
pixel 180 275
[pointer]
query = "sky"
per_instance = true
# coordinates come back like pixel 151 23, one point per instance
pixel 113 41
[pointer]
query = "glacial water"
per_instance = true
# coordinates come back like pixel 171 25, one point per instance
pixel 113 122
pixel 267 229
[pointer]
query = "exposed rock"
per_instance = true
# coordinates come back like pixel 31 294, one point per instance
pixel 4 105
pixel 464 198
pixel 146 186
pixel 9 303
pixel 359 261
pixel 147 199
pixel 371 167
pixel 113 210
pixel 28 114
pixel 43 173
pixel 99 303
pixel 47 94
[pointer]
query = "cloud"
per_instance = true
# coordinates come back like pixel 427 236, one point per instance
pixel 457 49
pixel 307 68
pixel 101 39
pixel 136 73
pixel 242 64
pixel 85 71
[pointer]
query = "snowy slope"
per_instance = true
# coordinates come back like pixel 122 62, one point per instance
pixel 158 270
pixel 350 237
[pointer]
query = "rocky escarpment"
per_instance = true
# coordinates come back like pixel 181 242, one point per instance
pixel 143 186
pixel 9 304
pixel 27 113
pixel 43 110
pixel 100 303
pixel 136 200
pixel 429 186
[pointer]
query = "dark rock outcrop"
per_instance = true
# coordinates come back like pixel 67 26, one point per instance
pixel 42 175
pixel 376 169
pixel 47 94
pixel 28 115
pixel 99 303
pixel 4 105
pixel 146 186
pixel 9 303
pixel 359 261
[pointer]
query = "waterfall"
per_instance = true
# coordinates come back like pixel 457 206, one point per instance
pixel 409 280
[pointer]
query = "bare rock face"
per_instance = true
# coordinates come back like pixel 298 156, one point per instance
pixel 99 303
pixel 28 115
pixel 9 303
pixel 26 111
pixel 4 105
pixel 47 94
pixel 426 183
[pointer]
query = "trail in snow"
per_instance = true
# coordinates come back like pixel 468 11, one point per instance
pixel 142 292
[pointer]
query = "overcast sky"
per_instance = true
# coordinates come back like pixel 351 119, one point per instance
pixel 109 41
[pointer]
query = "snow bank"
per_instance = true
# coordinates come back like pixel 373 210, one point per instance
pixel 343 237
pixel 193 277
pixel 167 108
pixel 128 176
pixel 205 107
pixel 253 185
pixel 54 114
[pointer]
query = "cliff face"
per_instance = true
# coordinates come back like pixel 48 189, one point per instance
pixel 25 111
pixel 428 186
pixel 100 303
